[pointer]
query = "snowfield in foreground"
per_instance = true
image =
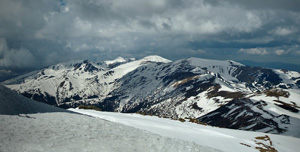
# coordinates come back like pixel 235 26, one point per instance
pixel 219 138
pixel 64 132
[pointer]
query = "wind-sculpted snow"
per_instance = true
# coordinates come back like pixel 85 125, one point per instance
pixel 60 132
pixel 187 88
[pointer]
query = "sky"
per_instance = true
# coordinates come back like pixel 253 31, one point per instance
pixel 36 34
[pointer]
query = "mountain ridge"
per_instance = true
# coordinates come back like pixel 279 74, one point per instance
pixel 187 88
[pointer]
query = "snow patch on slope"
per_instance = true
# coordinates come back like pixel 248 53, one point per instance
pixel 288 77
pixel 293 99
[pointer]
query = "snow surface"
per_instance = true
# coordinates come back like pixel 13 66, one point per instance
pixel 55 130
pixel 61 132
pixel 219 138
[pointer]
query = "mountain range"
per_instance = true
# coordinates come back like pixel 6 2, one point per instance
pixel 219 93
pixel 27 125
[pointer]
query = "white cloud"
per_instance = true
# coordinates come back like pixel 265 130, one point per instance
pixel 16 58
pixel 255 51
pixel 280 52
pixel 281 31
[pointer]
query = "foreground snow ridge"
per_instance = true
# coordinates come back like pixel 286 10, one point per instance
pixel 219 138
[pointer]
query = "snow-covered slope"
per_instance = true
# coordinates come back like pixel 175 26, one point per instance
pixel 227 140
pixel 76 82
pixel 253 115
pixel 54 130
pixel 187 88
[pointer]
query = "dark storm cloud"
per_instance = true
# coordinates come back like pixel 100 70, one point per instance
pixel 34 34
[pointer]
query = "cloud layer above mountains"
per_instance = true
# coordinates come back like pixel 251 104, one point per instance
pixel 34 34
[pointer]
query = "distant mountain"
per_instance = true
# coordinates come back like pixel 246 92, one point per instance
pixel 214 91
pixel 275 65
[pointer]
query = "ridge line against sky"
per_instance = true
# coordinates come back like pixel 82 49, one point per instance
pixel 35 34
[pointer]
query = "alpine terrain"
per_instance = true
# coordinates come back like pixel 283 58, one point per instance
pixel 219 93
pixel 28 126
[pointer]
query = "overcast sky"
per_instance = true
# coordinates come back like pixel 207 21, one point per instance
pixel 34 34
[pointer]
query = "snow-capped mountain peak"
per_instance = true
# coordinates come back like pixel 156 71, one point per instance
pixel 155 58
pixel 117 60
